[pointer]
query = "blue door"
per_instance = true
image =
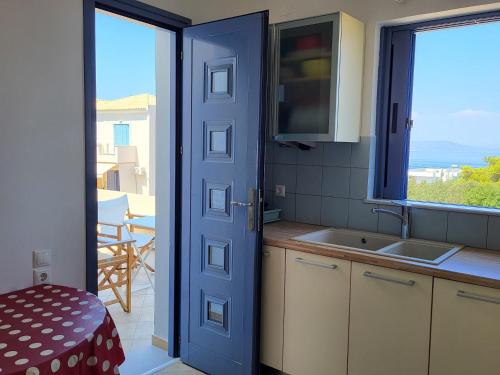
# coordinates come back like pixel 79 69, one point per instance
pixel 121 134
pixel 223 130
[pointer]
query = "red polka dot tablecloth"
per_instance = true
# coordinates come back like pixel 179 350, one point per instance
pixel 52 329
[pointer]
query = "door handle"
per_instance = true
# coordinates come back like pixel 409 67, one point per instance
pixel 388 278
pixel 250 206
pixel 478 297
pixel 241 204
pixel 316 264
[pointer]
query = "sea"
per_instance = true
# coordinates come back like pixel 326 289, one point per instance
pixel 440 154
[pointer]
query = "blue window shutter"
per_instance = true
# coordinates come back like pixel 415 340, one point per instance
pixel 121 134
pixel 394 106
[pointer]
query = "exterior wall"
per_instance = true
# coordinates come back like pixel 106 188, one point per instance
pixel 141 128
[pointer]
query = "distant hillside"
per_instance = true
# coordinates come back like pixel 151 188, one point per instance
pixel 442 154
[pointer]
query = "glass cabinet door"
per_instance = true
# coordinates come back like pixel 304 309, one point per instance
pixel 306 57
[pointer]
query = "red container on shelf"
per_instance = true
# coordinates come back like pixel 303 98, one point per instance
pixel 308 42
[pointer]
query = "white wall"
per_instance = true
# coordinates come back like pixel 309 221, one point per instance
pixel 165 80
pixel 41 140
pixel 42 199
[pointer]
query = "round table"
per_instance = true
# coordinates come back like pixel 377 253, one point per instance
pixel 52 329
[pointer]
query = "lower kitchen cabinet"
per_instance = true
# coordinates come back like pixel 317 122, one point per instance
pixel 273 299
pixel 316 316
pixel 465 329
pixel 390 321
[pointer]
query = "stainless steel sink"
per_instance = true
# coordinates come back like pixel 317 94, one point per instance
pixel 421 251
pixel 390 246
pixel 348 239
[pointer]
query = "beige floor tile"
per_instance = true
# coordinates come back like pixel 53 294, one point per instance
pixel 148 311
pixel 148 301
pixel 121 317
pixel 127 345
pixel 141 343
pixel 126 331
pixel 144 330
pixel 147 315
pixel 138 301
pixel 179 368
pixel 137 327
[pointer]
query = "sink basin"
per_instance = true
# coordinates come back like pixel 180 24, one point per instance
pixel 413 250
pixel 421 251
pixel 348 239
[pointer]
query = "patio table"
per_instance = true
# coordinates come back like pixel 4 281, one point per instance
pixel 52 329
pixel 145 222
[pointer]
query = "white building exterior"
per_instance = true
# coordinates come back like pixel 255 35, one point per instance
pixel 430 175
pixel 127 164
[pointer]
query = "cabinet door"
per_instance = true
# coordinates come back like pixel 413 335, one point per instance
pixel 316 314
pixel 273 300
pixel 307 58
pixel 389 322
pixel 465 329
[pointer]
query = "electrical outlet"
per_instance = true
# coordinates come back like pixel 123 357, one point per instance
pixel 41 258
pixel 280 191
pixel 41 276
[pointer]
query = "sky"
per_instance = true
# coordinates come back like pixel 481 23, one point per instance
pixel 456 89
pixel 125 57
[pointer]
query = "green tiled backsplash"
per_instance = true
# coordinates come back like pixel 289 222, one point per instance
pixel 327 186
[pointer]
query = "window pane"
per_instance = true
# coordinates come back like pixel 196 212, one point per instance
pixel 218 141
pixel 216 312
pixel 455 141
pixel 219 81
pixel 218 199
pixel 216 256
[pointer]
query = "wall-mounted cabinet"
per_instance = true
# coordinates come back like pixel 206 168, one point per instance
pixel 316 79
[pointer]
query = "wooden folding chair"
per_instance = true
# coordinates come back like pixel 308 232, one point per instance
pixel 114 270
pixel 111 226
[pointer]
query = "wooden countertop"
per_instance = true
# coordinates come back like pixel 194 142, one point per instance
pixel 470 265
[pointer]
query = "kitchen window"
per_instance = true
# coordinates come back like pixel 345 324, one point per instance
pixel 438 119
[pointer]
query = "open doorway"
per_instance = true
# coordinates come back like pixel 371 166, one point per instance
pixel 135 114
pixel 210 303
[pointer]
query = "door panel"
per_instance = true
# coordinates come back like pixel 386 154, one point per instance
pixel 316 318
pixel 465 329
pixel 273 306
pixel 222 163
pixel 390 321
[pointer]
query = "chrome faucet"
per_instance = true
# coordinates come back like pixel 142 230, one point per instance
pixel 404 217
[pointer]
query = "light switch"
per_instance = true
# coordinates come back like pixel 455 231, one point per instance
pixel 41 258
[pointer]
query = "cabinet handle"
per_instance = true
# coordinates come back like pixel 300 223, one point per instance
pixel 315 264
pixel 388 278
pixel 266 253
pixel 477 297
